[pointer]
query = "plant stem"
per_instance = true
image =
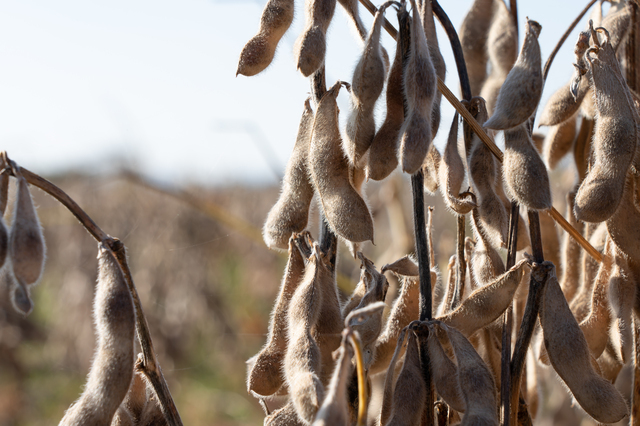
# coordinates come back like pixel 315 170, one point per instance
pixel 507 321
pixel 461 264
pixel 539 276
pixel 148 364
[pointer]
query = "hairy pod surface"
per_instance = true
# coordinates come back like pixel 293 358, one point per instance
pixel 617 22
pixel 444 370
pixel 26 242
pixel 410 390
pixel 311 46
pixel 451 174
pixel 405 309
pixel 571 250
pixel 487 303
pixel 431 169
pixel 559 141
pixel 389 380
pixel 303 360
pixel 473 37
pixel 622 293
pixel 614 141
pixel 622 226
pixel 284 416
pixel 291 212
pixel 524 173
pixel 345 210
pixel 265 376
pixel 476 382
pixel 486 262
pixel 258 53
pixel 366 86
pixel 351 7
pixel 569 354
pixel 383 158
pixel 334 409
pixel 522 89
pixel 429 25
pixel 420 89
pixel 112 367
pixel 492 216
pixel 20 294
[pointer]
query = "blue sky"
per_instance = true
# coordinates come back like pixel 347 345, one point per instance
pixel 151 84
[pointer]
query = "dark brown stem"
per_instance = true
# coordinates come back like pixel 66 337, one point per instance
pixel 327 239
pixel 454 40
pixel 507 321
pixel 148 364
pixel 539 275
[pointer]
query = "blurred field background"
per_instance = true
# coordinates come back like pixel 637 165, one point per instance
pixel 206 288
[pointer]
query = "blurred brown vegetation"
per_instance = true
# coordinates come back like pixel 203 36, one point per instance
pixel 205 287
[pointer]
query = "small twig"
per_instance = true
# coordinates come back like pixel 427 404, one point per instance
pixel 461 264
pixel 507 321
pixel 539 277
pixel 148 364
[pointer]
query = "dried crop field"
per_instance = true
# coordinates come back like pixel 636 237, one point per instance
pixel 502 287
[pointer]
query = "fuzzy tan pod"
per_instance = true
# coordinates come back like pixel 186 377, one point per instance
pixel 559 141
pixel 112 367
pixel 311 46
pixel 258 53
pixel 420 89
pixel 525 175
pixel 26 242
pixel 569 355
pixel 291 212
pixel 614 141
pixel 345 210
pixel 521 91
pixel 473 38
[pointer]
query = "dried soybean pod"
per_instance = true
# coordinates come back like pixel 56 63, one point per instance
pixel 345 210
pixel 522 89
pixel 486 262
pixel 284 416
pixel 265 376
pixel 389 380
pixel 595 326
pixel 614 141
pixel 473 37
pixel 410 390
pixel 258 53
pixel 311 46
pixel 444 370
pixel 623 227
pixel 622 293
pixel 335 409
pixel 569 355
pixel 26 242
pixel 451 174
pixel 550 241
pixel 571 254
pixel 303 360
pixel 525 175
pixel 565 102
pixel 351 7
pixel 559 141
pixel 430 169
pixel 377 286
pixel 582 146
pixel 291 212
pixel 523 231
pixel 487 303
pixel 112 367
pixel 405 309
pixel 476 382
pixel 420 89
pixel 366 86
pixel 429 25
pixel 617 22
pixel 484 171
pixel 329 325
pixel 383 157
